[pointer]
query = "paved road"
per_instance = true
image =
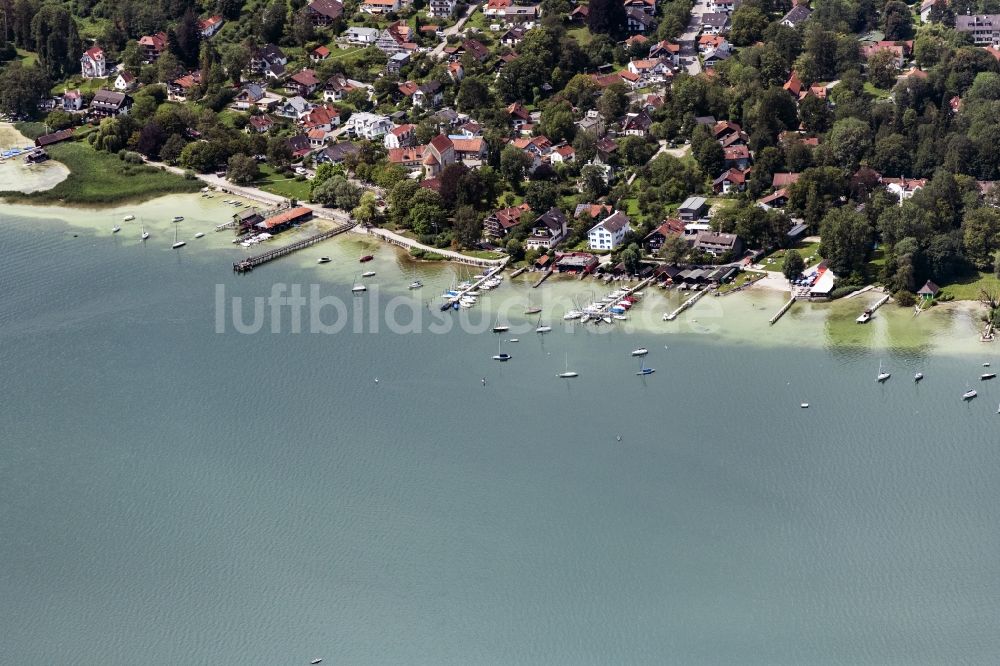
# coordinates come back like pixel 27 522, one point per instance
pixel 454 30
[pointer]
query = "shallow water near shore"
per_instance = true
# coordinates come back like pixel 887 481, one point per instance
pixel 171 495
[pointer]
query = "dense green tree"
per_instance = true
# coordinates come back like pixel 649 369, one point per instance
pixel 514 165
pixel 849 140
pixel 557 121
pixel 748 25
pixel 793 265
pixel 847 240
pixel 366 211
pixel 707 152
pixel 980 236
pixel 21 88
pixel 606 17
pixel 882 69
pixel 242 169
pixel 897 20
pixel 468 226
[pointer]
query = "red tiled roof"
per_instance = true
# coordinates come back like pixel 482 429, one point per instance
pixel 286 216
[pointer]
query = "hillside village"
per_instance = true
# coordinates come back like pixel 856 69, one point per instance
pixel 621 136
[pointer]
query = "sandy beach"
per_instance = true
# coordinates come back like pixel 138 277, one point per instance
pixel 27 178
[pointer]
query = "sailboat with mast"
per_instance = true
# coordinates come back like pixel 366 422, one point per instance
pixel 542 328
pixel 358 287
pixel 567 374
pixel 177 243
pixel 882 374
pixel 501 355
pixel 643 370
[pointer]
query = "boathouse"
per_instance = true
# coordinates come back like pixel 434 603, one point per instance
pixel 285 219
pixel 929 291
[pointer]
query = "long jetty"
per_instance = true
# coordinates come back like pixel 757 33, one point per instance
pixel 784 308
pixel 248 264
pixel 450 302
pixel 685 305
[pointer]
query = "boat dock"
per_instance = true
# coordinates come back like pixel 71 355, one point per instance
pixel 542 279
pixel 226 225
pixel 450 302
pixel 685 305
pixel 248 264
pixel 784 308
pixel 606 309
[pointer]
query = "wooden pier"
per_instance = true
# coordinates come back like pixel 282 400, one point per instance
pixel 606 310
pixel 784 308
pixel 248 264
pixel 542 279
pixel 450 302
pixel 685 305
pixel 518 271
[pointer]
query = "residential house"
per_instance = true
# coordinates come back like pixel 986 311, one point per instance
pixel 726 6
pixel 302 83
pixel 294 108
pixel 211 25
pixel 650 71
pixel 152 46
pixel 299 145
pixel 796 16
pixel 644 6
pixel 579 14
pixel 361 36
pixel 426 95
pixel 317 138
pixel 715 56
pixel 496 8
pixel 471 151
pixel 326 118
pixel 562 154
pixel 548 231
pixel 658 236
pixel 736 156
pixel 368 125
pixel 248 97
pixel 925 10
pixel 400 137
pixel 984 29
pixel 637 124
pixel 338 86
pixel 180 89
pixel 709 42
pixel 899 50
pixel 336 153
pixel 110 103
pixel 396 62
pixel 380 6
pixel 502 221
pixel 455 71
pixel 268 60
pixel 93 64
pixel 319 54
pixel 260 124
pixel 591 122
pixel 714 23
pixel 72 101
pixel 324 12
pixel 783 179
pixel 408 157
pixel 474 48
pixel 442 8
pixel 693 208
pixel 904 188
pixel 609 233
pixel 718 244
pixel 125 82
pixel 778 199
pixel 638 21
pixel 513 37
pixel 593 211
pixel 515 14
pixel 730 180
pixel 518 115
pixel 664 50
pixel 396 38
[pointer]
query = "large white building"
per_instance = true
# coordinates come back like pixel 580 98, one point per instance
pixel 609 233
pixel 368 125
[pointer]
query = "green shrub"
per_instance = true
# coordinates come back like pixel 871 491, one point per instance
pixel 906 299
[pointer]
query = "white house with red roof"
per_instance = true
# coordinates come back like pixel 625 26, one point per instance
pixel 93 64
pixel 400 137
pixel 211 25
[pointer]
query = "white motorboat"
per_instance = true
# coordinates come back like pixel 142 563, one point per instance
pixel 358 288
pixel 416 284
pixel 324 260
pixel 969 395
pixel 987 375
pixel 368 274
pixel 882 375
pixel 543 329
pixel 128 218
pixel 317 660
pixel 804 405
pixel 572 314
pixel 145 234
pixel 641 351
pixel 116 229
pixel 917 377
pixel 514 340
pixel 200 234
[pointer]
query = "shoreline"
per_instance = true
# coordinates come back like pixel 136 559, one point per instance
pixel 28 179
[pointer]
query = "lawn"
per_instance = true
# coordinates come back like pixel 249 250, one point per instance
pixel 581 35
pixel 877 93
pixel 101 178
pixel 777 257
pixel 28 58
pixel 744 278
pixel 969 288
pixel 483 254
pixel 276 183
pixel 85 85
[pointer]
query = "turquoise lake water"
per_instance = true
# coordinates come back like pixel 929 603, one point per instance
pixel 171 495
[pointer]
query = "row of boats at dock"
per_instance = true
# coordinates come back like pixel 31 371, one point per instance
pixel 612 307
pixel 463 295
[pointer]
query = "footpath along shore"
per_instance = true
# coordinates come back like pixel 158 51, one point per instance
pixel 338 216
